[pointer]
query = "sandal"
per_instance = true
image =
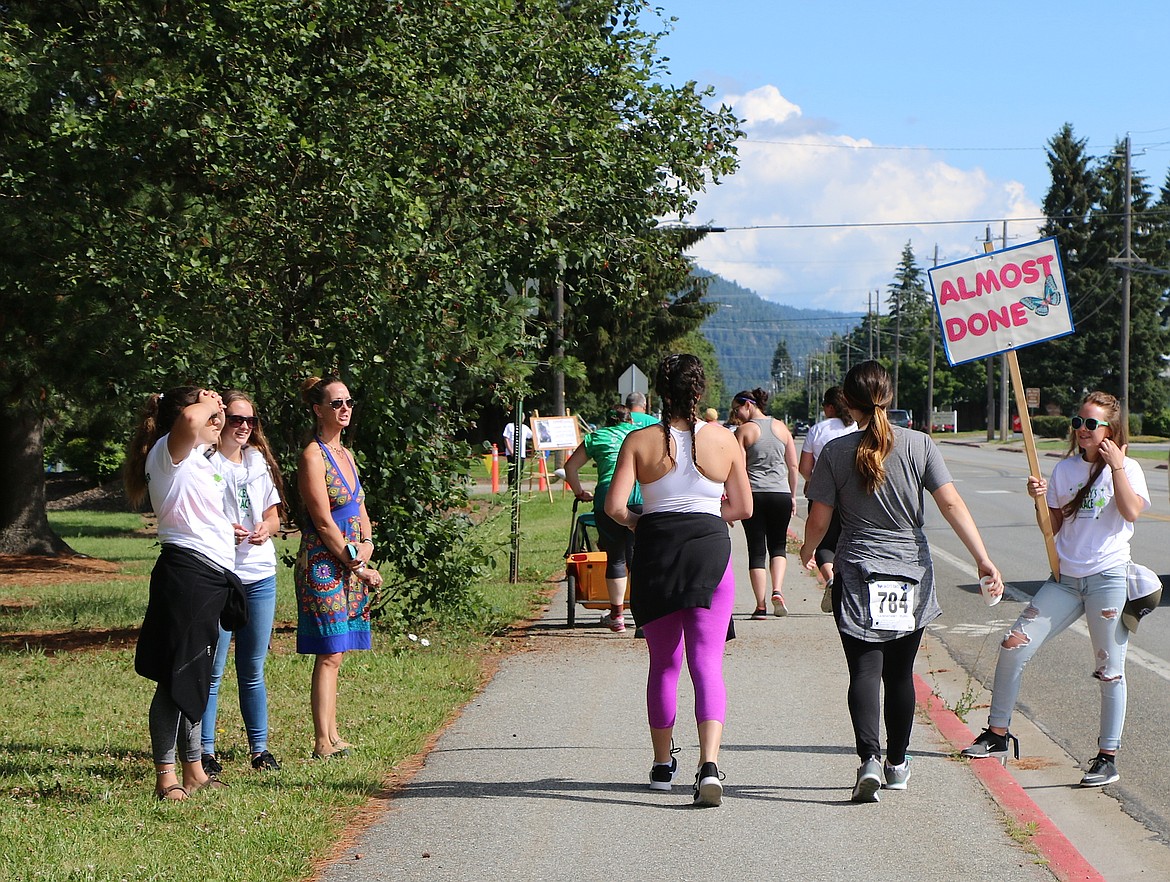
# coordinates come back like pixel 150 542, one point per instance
pixel 164 795
pixel 333 754
pixel 209 784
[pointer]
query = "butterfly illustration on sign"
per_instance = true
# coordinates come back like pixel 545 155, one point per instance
pixel 1041 305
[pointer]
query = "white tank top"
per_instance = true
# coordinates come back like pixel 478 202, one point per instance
pixel 683 488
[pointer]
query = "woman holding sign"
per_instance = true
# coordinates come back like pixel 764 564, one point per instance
pixel 1093 500
pixel 883 586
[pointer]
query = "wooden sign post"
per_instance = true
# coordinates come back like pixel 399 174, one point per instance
pixel 997 303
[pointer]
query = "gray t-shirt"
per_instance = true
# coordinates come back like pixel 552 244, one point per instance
pixel 881 533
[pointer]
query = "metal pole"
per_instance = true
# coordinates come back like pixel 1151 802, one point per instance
pixel 990 370
pixel 514 472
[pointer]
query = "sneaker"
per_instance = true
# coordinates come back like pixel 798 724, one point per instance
pixel 614 623
pixel 760 614
pixel 778 608
pixel 896 776
pixel 869 781
pixel 1103 771
pixel 827 600
pixel 211 765
pixel 662 774
pixel 265 762
pixel 708 786
pixel 989 744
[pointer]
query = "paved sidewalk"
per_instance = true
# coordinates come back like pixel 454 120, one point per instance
pixel 544 776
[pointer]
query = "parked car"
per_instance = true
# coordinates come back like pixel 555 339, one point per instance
pixel 800 427
pixel 899 418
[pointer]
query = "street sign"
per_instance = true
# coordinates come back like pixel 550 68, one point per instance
pixel 1032 396
pixel 633 380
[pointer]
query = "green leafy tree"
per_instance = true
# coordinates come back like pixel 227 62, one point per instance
pixel 247 193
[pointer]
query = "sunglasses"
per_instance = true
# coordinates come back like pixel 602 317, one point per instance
pixel 1089 423
pixel 235 420
pixel 337 402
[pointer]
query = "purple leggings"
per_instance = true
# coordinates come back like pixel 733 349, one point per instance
pixel 704 632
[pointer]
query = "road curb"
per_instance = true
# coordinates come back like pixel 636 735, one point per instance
pixel 1065 862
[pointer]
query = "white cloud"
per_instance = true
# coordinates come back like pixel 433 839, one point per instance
pixel 793 171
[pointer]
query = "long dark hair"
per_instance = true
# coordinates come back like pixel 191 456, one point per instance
pixel 159 412
pixel 680 382
pixel 835 399
pixel 756 396
pixel 1119 434
pixel 868 389
pixel 259 441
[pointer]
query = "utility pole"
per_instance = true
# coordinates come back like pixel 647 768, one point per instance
pixel 1004 427
pixel 877 331
pixel 897 340
pixel 930 367
pixel 1125 270
pixel 990 369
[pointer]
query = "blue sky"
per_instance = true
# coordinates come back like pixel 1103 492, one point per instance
pixel 903 112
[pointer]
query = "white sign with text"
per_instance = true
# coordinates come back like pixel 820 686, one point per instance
pixel 1001 301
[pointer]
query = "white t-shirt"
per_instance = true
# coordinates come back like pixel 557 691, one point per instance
pixel 1097 537
pixel 820 434
pixel 248 492
pixel 188 501
pixel 823 432
pixel 525 434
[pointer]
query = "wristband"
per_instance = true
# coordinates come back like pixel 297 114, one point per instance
pixel 371 541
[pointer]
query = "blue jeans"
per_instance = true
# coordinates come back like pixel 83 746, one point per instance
pixel 1101 598
pixel 251 651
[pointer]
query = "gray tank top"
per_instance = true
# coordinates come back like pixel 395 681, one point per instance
pixel 766 468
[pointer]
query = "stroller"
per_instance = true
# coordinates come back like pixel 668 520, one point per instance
pixel 585 567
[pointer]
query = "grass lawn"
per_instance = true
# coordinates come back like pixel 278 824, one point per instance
pixel 76 779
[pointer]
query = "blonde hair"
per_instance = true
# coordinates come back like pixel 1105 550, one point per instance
pixel 1119 433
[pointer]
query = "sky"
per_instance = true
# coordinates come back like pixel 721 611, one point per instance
pixel 882 121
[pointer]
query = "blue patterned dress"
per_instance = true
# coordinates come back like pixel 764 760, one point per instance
pixel 333 605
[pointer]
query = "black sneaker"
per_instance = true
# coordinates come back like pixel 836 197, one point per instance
pixel 265 762
pixel 708 786
pixel 1103 771
pixel 662 774
pixel 989 744
pixel 211 766
pixel 759 615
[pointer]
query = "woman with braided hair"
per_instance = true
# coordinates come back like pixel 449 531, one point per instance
pixel 694 482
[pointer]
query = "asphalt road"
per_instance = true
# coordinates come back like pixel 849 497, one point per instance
pixel 1059 694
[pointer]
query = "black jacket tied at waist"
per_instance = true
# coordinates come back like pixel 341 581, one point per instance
pixel 679 561
pixel 188 596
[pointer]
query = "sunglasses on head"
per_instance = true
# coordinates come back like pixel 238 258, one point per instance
pixel 235 420
pixel 337 402
pixel 1089 423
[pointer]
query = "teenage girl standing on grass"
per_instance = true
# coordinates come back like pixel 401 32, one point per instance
pixel 192 583
pixel 252 491
pixel 1094 497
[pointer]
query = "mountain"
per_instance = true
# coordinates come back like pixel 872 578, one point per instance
pixel 746 329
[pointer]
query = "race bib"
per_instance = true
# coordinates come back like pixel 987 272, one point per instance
pixel 891 606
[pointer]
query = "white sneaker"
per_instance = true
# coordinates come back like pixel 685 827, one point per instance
pixel 778 608
pixel 827 600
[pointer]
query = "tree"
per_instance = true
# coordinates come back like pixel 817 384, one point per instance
pixel 248 193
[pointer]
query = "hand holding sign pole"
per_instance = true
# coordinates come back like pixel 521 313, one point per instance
pixel 997 303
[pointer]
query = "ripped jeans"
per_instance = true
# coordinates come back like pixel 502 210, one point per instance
pixel 1101 598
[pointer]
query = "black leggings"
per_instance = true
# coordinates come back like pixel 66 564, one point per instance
pixel 827 548
pixel 870 665
pixel 767 529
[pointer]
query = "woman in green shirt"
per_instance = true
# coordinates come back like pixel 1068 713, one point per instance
pixel 615 540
